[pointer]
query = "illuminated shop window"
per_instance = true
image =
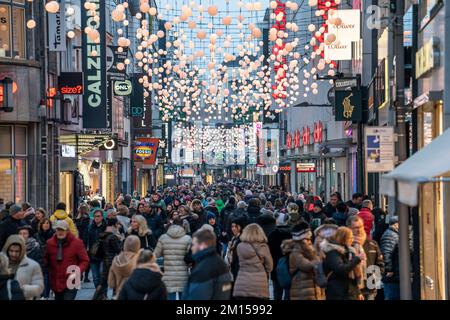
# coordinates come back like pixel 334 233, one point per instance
pixel 12 29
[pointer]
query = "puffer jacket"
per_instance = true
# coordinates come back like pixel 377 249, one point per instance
pixel 145 283
pixel 301 266
pixel 339 265
pixel 111 247
pixel 252 280
pixel 29 273
pixel 173 246
pixel 389 248
pixel 62 215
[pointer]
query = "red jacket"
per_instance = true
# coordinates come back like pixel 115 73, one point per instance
pixel 73 252
pixel 366 215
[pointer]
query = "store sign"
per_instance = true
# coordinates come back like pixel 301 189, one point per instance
pixel 318 132
pixel 297 139
pixel 95 104
pixel 289 144
pixel 306 136
pixel 145 150
pixel 68 151
pixel 380 149
pixel 350 28
pixel 427 57
pixel 284 168
pixel 169 177
pixel 433 7
pixel 57 29
pixel 338 51
pixel 110 145
pixel 113 58
pixel 70 83
pixel 306 167
pixel 123 88
pixel 348 105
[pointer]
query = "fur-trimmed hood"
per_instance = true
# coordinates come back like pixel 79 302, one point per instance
pixel 327 246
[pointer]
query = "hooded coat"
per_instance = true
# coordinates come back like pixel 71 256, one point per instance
pixel 252 280
pixel 145 283
pixel 301 266
pixel 173 246
pixel 339 264
pixel 29 273
pixel 123 265
pixel 73 254
pixel 62 215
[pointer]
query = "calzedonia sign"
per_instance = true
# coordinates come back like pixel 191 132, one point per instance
pixel 95 105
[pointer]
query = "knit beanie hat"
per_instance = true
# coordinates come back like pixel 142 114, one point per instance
pixel 301 231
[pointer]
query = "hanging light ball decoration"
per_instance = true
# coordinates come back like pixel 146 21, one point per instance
pixel 52 6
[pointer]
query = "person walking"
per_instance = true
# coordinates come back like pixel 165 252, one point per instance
pixel 373 256
pixel 64 252
pixel 10 224
pixel 9 287
pixel 389 248
pixel 26 271
pixel 123 264
pixel 33 247
pixel 39 216
pixel 145 282
pixel 210 278
pixel 366 215
pixel 139 228
pixel 61 214
pixel 96 228
pixel 255 265
pixel 173 246
pixel 45 232
pixel 342 267
pixel 303 259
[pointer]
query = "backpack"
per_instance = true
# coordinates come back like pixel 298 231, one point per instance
pixel 284 277
pixel 96 250
pixel 321 278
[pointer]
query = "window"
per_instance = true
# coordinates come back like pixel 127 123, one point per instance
pixel 13 163
pixel 12 29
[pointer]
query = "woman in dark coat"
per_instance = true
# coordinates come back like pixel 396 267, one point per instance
pixel 145 283
pixel 342 266
pixel 139 228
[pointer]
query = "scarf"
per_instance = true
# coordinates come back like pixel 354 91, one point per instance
pixel 59 255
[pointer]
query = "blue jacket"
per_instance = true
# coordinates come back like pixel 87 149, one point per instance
pixel 210 278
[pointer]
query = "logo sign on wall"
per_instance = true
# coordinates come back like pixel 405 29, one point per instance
pixel 145 150
pixel 339 50
pixel 123 88
pixel 350 28
pixel 95 104
pixel 348 105
pixel 379 149
pixel 113 58
pixel 57 29
pixel 306 167
pixel 70 83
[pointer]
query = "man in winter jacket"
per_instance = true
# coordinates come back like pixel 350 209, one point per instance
pixel 356 202
pixel 154 221
pixel 389 248
pixel 210 278
pixel 61 214
pixel 330 208
pixel 11 223
pixel 64 252
pixel 96 228
pixel 366 215
pixel 26 271
pixel 33 247
pixel 373 254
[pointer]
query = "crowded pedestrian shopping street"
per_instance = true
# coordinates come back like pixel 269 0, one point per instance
pixel 267 151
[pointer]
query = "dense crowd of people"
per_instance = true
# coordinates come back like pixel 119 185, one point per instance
pixel 229 240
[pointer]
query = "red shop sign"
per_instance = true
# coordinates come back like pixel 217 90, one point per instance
pixel 289 141
pixel 306 136
pixel 297 139
pixel 318 132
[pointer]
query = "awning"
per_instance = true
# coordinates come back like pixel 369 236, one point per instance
pixel 85 143
pixel 424 166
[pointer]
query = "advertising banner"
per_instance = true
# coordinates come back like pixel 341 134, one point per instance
pixel 379 149
pixel 95 104
pixel 145 150
pixel 57 29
